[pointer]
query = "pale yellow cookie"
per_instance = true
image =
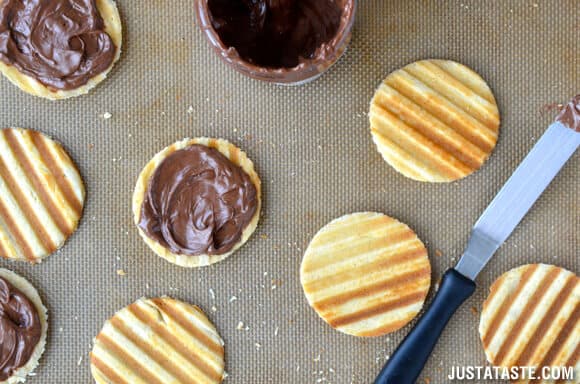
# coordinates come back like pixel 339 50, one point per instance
pixel 18 282
pixel 158 341
pixel 41 195
pixel 366 274
pixel 237 157
pixel 531 318
pixel 434 120
pixel 113 27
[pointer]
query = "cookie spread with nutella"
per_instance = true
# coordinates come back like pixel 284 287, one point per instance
pixel 570 114
pixel 276 33
pixel 198 202
pixel 60 43
pixel 20 329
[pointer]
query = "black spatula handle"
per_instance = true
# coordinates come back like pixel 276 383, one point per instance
pixel 406 364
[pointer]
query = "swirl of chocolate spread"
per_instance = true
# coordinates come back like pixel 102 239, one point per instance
pixel 570 114
pixel 20 329
pixel 60 43
pixel 198 202
pixel 275 33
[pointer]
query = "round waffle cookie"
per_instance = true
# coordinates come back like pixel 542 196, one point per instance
pixel 532 318
pixel 434 120
pixel 41 195
pixel 112 26
pixel 366 274
pixel 158 341
pixel 22 285
pixel 235 156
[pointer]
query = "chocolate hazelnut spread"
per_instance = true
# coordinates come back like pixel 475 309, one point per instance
pixel 20 329
pixel 276 33
pixel 198 202
pixel 570 114
pixel 60 43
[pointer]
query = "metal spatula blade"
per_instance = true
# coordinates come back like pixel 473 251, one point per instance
pixel 498 221
pixel 517 196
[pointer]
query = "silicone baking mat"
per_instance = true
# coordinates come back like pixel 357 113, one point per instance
pixel 313 150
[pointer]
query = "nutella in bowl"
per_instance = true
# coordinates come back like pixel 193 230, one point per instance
pixel 280 41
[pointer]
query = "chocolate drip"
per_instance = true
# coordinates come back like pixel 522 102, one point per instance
pixel 570 114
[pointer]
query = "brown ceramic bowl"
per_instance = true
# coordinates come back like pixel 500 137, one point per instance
pixel 306 71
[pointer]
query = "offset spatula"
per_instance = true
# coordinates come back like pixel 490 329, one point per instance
pixel 498 221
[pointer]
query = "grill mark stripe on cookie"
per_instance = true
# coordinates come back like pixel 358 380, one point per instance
pixel 160 341
pixel 64 225
pixel 119 353
pixel 431 128
pixel 467 77
pixel 572 361
pixel 22 247
pixel 382 330
pixel 389 243
pixel 175 343
pixel 535 341
pixel 525 316
pixel 3 236
pixel 107 371
pixel 378 309
pixel 33 229
pixel 505 306
pixel 444 110
pixel 366 273
pixel 399 283
pixel 37 219
pixel 11 246
pixel 434 120
pixel 455 91
pixel 334 278
pixel 386 247
pixel 152 349
pixel 388 125
pixel 180 317
pixel 564 333
pixel 403 160
pixel 55 166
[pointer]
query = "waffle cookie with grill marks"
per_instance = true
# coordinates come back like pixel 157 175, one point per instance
pixel 532 318
pixel 434 120
pixel 366 274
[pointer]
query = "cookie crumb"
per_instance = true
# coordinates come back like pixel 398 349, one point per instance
pixel 233 298
pixel 240 326
pixel 107 115
pixel 438 253
pixel 190 109
pixel 474 311
pixel 80 360
pixel 121 272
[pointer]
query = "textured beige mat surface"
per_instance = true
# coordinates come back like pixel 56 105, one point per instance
pixel 313 150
